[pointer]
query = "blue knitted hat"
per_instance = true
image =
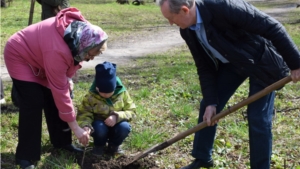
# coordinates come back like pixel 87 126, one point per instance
pixel 106 77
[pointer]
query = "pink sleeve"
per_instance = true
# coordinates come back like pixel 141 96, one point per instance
pixel 56 68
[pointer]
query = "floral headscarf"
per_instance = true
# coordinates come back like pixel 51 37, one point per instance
pixel 81 37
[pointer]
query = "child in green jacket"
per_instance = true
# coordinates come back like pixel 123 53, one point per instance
pixel 106 110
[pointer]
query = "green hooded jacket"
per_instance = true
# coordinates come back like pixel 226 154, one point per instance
pixel 95 107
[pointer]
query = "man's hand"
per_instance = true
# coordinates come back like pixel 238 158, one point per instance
pixel 56 10
pixel 111 120
pixel 295 75
pixel 210 111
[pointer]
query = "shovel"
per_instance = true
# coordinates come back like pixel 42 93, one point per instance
pixel 220 115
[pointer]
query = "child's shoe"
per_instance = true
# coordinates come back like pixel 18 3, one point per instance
pixel 114 150
pixel 98 151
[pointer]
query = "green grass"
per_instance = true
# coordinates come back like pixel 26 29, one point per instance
pixel 294 31
pixel 166 90
pixel 117 20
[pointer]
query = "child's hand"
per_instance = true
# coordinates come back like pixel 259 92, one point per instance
pixel 111 120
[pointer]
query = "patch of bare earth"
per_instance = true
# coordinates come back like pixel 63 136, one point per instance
pixel 118 162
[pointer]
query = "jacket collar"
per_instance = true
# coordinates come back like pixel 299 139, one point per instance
pixel 204 12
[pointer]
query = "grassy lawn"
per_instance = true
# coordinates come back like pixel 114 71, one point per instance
pixel 166 90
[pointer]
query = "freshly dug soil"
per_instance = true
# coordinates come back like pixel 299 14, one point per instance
pixel 119 162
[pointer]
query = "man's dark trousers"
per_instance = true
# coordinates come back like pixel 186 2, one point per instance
pixel 259 114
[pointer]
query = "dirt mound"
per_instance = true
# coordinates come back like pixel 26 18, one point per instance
pixel 120 162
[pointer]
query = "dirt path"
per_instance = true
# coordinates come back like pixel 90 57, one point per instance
pixel 125 49
pixel 281 10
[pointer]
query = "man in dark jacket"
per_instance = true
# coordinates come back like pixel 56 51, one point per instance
pixel 230 41
pixel 51 7
pixel 3 3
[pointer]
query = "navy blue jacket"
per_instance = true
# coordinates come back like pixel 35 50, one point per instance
pixel 254 43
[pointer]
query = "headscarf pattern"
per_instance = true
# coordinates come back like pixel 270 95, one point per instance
pixel 81 37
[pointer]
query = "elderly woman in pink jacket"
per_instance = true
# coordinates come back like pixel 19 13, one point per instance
pixel 40 59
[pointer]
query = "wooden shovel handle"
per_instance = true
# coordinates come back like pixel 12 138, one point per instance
pixel 220 115
pixel 235 107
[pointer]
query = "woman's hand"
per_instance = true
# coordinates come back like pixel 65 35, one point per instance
pixel 82 135
pixel 87 129
pixel 71 84
pixel 111 120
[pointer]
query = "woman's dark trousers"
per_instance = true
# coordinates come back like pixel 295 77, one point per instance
pixel 33 100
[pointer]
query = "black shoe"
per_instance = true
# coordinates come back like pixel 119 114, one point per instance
pixel 196 164
pixel 114 150
pixel 98 151
pixel 24 164
pixel 71 148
